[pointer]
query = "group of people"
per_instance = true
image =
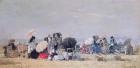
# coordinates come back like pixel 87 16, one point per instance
pixel 54 47
pixel 102 46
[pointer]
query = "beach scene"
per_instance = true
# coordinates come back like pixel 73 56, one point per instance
pixel 69 33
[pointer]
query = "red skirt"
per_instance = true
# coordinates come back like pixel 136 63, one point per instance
pixel 43 56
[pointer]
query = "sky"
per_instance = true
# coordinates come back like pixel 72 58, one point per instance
pixel 76 18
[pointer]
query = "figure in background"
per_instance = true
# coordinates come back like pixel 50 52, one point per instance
pixel 105 47
pixel 128 47
pixel 10 50
pixel 96 45
pixel 113 44
pixel 12 44
pixel 86 46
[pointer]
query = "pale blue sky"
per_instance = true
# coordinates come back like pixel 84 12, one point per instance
pixel 77 18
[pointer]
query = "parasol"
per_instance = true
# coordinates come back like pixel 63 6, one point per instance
pixel 41 46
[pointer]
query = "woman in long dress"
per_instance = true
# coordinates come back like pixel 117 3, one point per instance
pixel 31 46
pixel 105 47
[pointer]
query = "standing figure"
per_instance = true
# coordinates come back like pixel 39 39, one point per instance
pixel 96 45
pixel 31 46
pixel 54 42
pixel 57 40
pixel 113 44
pixel 105 47
pixel 49 39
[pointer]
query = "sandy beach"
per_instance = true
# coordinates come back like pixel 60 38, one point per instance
pixel 89 62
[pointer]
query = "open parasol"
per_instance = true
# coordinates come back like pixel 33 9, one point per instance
pixel 41 46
